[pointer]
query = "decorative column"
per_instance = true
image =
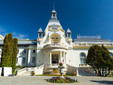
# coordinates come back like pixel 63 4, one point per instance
pixel 65 57
pixel 50 58
pixel 60 56
pixel 38 35
pixel 67 34
pixel 28 58
pixel 70 35
pixel 43 59
pixel 46 57
pixel 77 69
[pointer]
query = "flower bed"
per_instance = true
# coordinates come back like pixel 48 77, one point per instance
pixel 61 80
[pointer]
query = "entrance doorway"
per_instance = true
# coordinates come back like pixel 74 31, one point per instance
pixel 55 59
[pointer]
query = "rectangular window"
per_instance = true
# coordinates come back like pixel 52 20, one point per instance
pixel 23 60
pixel 24 50
pixel 55 59
pixel 16 60
pixel 33 59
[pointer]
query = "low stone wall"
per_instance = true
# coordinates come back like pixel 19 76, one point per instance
pixel 39 70
pixel 87 69
pixel 70 70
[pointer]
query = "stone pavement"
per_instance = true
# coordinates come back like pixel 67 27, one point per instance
pixel 40 80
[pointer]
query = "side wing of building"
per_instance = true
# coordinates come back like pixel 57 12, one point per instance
pixel 26 52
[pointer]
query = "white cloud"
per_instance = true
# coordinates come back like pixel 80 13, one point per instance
pixel 15 35
pixel 19 36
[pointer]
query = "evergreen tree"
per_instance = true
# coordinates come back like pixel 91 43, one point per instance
pixel 99 58
pixel 4 59
pixel 6 53
pixel 14 56
pixel 10 51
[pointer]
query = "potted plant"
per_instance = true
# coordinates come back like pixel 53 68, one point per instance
pixel 60 64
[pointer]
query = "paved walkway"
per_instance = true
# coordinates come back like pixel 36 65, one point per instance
pixel 40 80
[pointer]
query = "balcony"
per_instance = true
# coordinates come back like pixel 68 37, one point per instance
pixel 55 46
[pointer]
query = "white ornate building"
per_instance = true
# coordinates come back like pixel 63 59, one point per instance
pixel 54 45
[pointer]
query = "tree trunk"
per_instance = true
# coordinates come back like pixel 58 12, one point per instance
pixel 108 73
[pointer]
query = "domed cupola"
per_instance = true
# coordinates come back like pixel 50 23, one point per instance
pixel 40 33
pixel 53 15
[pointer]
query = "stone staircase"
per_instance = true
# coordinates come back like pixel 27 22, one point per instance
pixel 27 73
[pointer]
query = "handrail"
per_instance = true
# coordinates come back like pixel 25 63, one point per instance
pixel 38 67
pixel 21 71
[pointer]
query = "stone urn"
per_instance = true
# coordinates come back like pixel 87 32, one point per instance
pixel 61 71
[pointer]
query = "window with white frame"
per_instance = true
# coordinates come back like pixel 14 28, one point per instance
pixel 33 59
pixel 23 60
pixel 16 60
pixel 24 50
pixel 82 58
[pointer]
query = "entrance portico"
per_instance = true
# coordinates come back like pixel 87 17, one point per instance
pixel 53 57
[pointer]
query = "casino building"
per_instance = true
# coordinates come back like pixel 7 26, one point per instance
pixel 55 45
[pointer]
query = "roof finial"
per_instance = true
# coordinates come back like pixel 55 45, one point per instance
pixel 53 5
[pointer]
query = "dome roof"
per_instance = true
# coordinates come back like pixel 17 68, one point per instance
pixel 53 11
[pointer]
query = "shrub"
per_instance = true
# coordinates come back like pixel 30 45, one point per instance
pixel 55 71
pixel 19 66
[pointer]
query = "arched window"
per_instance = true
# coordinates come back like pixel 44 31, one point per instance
pixel 111 54
pixel 82 58
pixel 55 39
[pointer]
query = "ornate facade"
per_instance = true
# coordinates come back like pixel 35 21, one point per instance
pixel 54 45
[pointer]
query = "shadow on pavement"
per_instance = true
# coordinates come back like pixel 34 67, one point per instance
pixel 104 82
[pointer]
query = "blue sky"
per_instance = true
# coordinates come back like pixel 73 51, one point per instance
pixel 23 18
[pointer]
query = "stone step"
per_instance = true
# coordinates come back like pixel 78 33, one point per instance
pixel 27 73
